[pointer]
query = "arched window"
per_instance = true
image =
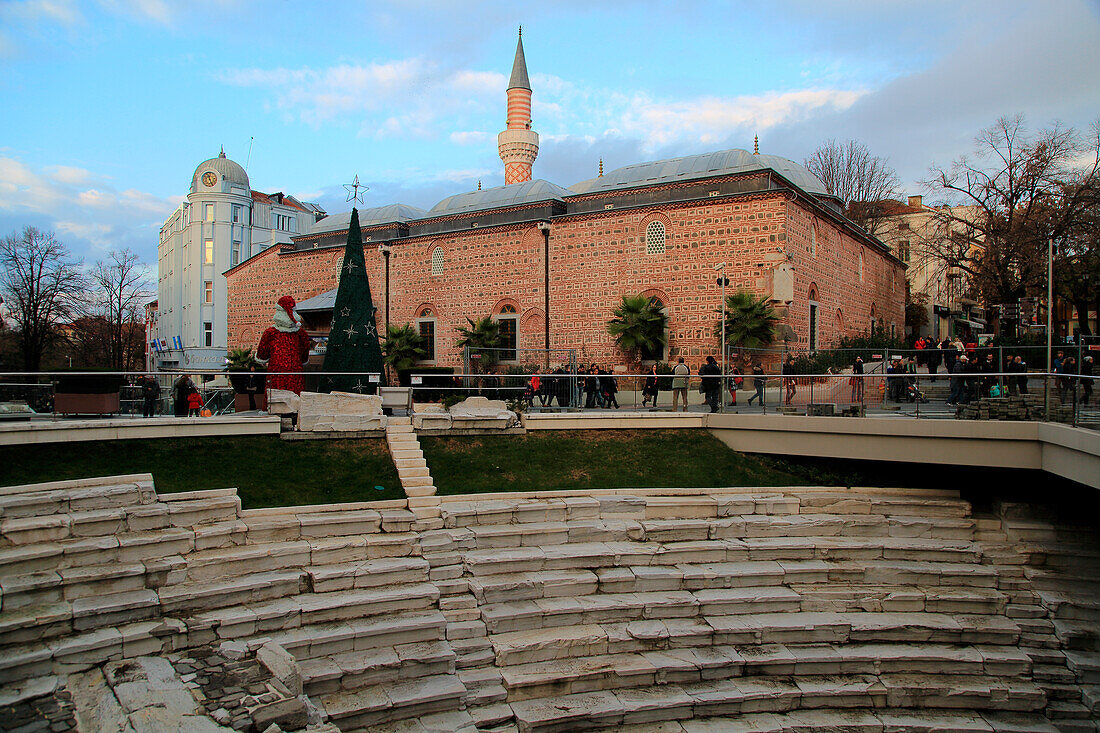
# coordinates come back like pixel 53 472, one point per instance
pixel 811 330
pixel 872 319
pixel 861 265
pixel 425 325
pixel 813 240
pixel 437 261
pixel 655 238
pixel 509 332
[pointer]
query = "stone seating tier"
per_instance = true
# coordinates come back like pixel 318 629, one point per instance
pixel 798 606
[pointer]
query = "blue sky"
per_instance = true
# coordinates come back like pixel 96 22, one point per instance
pixel 108 105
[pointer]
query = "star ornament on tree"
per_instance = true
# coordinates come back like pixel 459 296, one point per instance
pixel 350 331
pixel 350 265
pixel 353 190
pixel 345 311
pixel 371 330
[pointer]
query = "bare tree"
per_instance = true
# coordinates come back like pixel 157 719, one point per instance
pixel 110 328
pixel 41 287
pixel 1017 191
pixel 860 180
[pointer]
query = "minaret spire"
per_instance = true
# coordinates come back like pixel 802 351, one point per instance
pixel 601 169
pixel 756 145
pixel 518 144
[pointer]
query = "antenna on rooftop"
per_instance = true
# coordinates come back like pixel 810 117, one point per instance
pixel 250 139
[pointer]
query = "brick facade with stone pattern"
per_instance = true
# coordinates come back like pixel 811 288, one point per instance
pixel 595 258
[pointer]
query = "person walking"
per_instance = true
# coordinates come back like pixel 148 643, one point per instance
pixel 194 403
pixel 181 388
pixel 651 386
pixel 591 388
pixel 949 356
pixel 1021 367
pixel 150 393
pixel 734 383
pixel 788 380
pixel 759 381
pixel 958 383
pixel 856 380
pixel 680 374
pixel 609 389
pixel 933 355
pixel 711 385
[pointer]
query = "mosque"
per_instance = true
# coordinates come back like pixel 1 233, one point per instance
pixel 550 263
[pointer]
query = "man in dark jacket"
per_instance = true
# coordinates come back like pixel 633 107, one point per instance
pixel 150 393
pixel 712 383
pixel 958 383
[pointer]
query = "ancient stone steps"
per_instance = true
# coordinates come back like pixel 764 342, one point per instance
pixel 370 706
pixel 689 665
pixel 593 555
pixel 412 471
pixel 908 694
pixel 64 497
pixel 540 644
pixel 349 671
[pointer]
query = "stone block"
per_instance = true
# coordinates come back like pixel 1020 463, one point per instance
pixel 430 416
pixel 343 411
pixel 481 413
pixel 282 402
pixel 288 714
pixel 282 666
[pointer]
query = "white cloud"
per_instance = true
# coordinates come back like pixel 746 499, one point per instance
pixel 469 137
pixel 92 216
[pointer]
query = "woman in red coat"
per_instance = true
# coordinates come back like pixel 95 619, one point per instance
pixel 285 348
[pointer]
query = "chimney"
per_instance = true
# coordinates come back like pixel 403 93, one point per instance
pixel 916 202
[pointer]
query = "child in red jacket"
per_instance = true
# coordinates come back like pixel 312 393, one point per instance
pixel 194 404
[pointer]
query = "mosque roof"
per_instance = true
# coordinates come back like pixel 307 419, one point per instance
pixel 320 302
pixel 225 168
pixel 514 194
pixel 519 68
pixel 707 165
pixel 368 217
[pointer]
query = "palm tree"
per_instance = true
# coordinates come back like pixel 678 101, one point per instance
pixel 402 347
pixel 482 338
pixel 750 322
pixel 638 326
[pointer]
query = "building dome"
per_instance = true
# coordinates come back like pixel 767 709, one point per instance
pixel 225 172
pixel 721 163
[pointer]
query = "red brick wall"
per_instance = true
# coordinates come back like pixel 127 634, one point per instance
pixel 595 259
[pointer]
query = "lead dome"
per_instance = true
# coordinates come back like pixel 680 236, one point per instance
pixel 224 168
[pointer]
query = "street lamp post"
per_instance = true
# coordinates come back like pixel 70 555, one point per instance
pixel 723 281
pixel 1050 320
pixel 385 249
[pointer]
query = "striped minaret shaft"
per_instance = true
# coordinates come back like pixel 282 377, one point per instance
pixel 518 144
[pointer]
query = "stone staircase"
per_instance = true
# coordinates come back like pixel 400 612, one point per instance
pixel 412 469
pixel 785 609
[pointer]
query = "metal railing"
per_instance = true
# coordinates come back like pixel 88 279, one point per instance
pixel 1000 395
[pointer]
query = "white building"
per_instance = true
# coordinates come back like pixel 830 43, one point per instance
pixel 222 223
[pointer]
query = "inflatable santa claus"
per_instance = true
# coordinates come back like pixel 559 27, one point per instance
pixel 285 348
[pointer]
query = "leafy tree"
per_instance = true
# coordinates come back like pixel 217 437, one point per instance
pixel 41 288
pixel 483 339
pixel 1019 190
pixel 863 182
pixel 638 326
pixel 402 347
pixel 750 321
pixel 916 312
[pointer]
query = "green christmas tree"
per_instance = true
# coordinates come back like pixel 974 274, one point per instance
pixel 353 341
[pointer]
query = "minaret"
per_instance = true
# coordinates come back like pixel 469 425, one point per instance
pixel 519 144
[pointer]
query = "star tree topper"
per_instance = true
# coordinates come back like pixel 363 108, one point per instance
pixel 353 190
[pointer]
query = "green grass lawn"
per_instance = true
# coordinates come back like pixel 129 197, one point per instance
pixel 598 459
pixel 267 471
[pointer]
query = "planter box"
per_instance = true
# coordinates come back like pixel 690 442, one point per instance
pixel 240 402
pixel 76 403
